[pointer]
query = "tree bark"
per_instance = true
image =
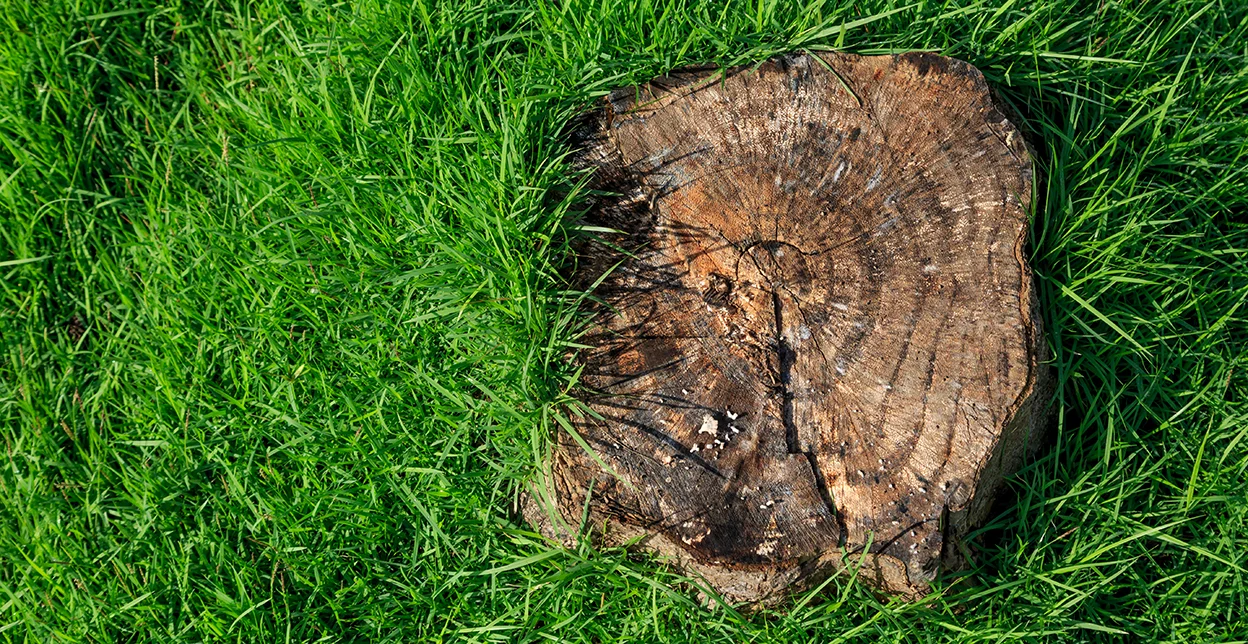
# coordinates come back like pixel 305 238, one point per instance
pixel 819 344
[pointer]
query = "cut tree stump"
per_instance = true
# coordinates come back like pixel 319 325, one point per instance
pixel 820 347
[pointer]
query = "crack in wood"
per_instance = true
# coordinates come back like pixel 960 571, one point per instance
pixel 786 356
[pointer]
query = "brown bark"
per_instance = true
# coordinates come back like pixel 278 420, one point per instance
pixel 822 332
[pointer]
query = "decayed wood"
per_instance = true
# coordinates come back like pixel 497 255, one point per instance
pixel 822 334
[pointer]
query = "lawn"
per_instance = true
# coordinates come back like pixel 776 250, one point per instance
pixel 283 325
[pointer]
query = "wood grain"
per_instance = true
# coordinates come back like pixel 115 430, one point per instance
pixel 821 333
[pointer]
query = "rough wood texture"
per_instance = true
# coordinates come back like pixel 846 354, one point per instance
pixel 824 334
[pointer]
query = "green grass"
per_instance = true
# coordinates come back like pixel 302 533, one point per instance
pixel 282 327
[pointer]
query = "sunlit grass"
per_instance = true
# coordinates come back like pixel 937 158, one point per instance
pixel 283 327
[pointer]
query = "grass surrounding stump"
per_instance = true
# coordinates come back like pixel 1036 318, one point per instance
pixel 282 326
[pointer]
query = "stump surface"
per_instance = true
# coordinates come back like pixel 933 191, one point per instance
pixel 821 333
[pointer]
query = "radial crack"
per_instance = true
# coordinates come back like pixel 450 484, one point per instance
pixel 786 357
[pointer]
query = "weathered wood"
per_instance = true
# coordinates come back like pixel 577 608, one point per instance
pixel 823 334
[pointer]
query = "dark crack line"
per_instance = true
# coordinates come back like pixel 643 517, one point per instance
pixel 877 548
pixel 787 357
pixel 814 335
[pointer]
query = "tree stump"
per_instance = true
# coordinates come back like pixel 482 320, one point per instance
pixel 820 346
